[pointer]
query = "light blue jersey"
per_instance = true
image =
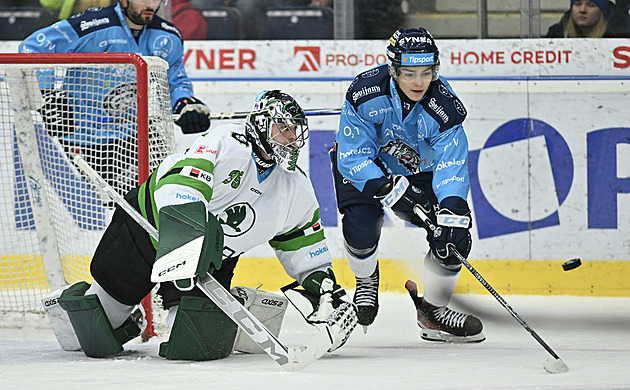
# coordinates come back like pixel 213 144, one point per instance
pixel 373 137
pixel 105 30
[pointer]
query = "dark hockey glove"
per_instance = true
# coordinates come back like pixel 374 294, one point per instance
pixel 453 228
pixel 401 197
pixel 194 116
pixel 57 113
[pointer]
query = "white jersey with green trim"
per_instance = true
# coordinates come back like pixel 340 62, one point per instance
pixel 277 207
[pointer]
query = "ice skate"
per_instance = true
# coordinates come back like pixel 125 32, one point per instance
pixel 444 324
pixel 366 298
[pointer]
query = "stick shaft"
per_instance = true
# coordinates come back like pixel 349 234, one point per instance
pixel 208 284
pixel 420 213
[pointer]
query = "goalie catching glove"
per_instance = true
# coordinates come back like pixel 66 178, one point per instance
pixel 333 311
pixel 57 113
pixel 194 116
pixel 191 244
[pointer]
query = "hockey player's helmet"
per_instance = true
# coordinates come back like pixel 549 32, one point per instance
pixel 412 47
pixel 278 126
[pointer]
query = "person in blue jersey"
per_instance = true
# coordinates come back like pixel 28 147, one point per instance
pixel 131 26
pixel 401 143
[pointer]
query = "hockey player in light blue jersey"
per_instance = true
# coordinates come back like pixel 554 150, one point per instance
pixel 132 26
pixel 401 143
pixel 93 113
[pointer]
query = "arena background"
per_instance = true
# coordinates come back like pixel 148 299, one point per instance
pixel 549 154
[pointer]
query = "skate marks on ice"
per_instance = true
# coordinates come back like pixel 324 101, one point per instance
pixel 591 335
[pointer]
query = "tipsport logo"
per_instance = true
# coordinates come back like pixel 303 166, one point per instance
pixel 311 58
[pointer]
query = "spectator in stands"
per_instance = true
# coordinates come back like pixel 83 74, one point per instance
pixel 586 19
pixel 622 19
pixel 189 21
pixel 376 19
pixel 68 8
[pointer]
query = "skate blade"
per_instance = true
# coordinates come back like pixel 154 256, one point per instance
pixel 365 328
pixel 444 337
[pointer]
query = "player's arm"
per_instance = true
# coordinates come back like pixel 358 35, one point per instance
pixel 451 185
pixel 357 149
pixel 182 191
pixel 56 110
pixel 304 254
pixel 194 115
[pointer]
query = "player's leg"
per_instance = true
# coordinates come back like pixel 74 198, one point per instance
pixel 439 277
pixel 101 314
pixel 361 226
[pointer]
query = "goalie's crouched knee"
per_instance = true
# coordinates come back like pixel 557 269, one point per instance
pixel 91 325
pixel 201 331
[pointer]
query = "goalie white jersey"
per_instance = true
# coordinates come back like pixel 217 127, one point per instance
pixel 253 207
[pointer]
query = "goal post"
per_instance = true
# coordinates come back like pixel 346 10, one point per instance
pixel 114 110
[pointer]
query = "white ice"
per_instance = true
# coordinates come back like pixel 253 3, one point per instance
pixel 591 335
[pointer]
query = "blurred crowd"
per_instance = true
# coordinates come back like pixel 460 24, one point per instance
pixel 374 19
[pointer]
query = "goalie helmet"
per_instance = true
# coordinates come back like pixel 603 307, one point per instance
pixel 412 47
pixel 277 125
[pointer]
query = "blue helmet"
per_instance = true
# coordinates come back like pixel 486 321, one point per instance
pixel 412 47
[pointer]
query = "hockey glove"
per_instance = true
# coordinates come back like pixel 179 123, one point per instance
pixel 57 113
pixel 401 197
pixel 194 116
pixel 335 312
pixel 454 222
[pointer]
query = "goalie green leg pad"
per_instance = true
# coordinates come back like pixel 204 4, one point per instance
pixel 91 325
pixel 201 331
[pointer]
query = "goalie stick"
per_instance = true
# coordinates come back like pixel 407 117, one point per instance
pixel 291 359
pixel 554 364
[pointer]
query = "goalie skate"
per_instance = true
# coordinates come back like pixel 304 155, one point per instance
pixel 443 323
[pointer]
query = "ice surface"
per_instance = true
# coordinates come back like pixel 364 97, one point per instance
pixel 591 335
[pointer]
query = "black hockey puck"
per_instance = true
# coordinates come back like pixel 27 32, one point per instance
pixel 571 264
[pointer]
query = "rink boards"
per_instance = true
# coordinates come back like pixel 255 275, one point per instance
pixel 549 154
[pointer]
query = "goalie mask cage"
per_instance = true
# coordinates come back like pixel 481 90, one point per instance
pixel 112 109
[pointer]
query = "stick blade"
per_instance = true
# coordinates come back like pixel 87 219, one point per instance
pixel 555 366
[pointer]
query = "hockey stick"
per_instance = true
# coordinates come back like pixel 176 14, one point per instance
pixel 228 115
pixel 244 114
pixel 292 359
pixel 553 365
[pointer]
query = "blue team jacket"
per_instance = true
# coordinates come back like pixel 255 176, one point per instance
pixel 431 138
pixel 105 30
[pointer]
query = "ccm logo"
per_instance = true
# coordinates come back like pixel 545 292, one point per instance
pixel 51 302
pixel 271 302
pixel 172 268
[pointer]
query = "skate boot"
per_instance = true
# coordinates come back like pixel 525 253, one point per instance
pixel 444 324
pixel 366 298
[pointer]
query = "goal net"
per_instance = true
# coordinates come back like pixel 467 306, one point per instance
pixel 112 109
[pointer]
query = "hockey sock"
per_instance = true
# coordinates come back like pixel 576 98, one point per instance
pixel 439 283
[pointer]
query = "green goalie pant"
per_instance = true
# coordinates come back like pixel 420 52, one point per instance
pixel 94 332
pixel 201 331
